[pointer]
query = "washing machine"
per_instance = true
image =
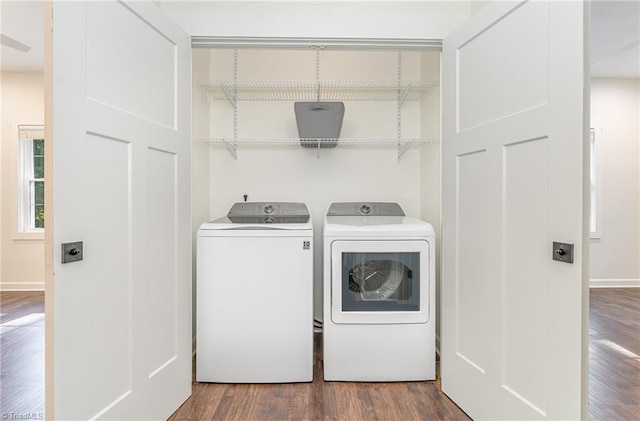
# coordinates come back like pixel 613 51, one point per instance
pixel 379 294
pixel 254 288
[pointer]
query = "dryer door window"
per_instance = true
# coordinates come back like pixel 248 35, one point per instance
pixel 380 281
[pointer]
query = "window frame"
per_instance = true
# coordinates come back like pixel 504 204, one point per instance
pixel 595 208
pixel 26 183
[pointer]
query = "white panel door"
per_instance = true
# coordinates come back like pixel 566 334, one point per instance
pixel 121 317
pixel 513 319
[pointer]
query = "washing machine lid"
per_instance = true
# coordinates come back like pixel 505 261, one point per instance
pixel 268 213
pixel 263 216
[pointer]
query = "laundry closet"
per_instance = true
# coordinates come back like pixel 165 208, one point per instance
pixel 514 105
pixel 246 141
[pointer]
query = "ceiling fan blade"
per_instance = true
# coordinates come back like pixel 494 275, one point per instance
pixel 10 42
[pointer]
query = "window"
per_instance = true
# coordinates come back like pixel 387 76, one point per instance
pixel 31 179
pixel 594 225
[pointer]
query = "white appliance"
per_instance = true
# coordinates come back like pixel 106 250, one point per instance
pixel 379 294
pixel 255 295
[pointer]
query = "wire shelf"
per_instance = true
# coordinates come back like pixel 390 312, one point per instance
pixel 259 90
pixel 233 145
pixel 233 91
pixel 294 143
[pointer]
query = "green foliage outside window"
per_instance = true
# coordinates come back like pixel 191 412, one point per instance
pixel 38 183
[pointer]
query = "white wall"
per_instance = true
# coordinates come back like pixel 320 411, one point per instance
pixel 318 19
pixel 297 174
pixel 22 266
pixel 476 5
pixel 615 115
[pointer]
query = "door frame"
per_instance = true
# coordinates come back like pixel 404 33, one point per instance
pixel 48 200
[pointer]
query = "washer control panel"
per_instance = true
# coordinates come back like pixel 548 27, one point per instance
pixel 365 209
pixel 268 213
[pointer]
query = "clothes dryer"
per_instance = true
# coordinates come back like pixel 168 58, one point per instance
pixel 255 295
pixel 379 294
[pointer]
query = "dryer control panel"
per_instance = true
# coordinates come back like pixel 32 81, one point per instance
pixel 365 209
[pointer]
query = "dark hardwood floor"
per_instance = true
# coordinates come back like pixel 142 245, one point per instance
pixel 614 354
pixel 614 376
pixel 319 400
pixel 21 355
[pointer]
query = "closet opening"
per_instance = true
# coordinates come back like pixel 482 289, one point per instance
pixel 246 142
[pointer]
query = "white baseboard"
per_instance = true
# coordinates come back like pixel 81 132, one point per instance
pixel 22 286
pixel 614 283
